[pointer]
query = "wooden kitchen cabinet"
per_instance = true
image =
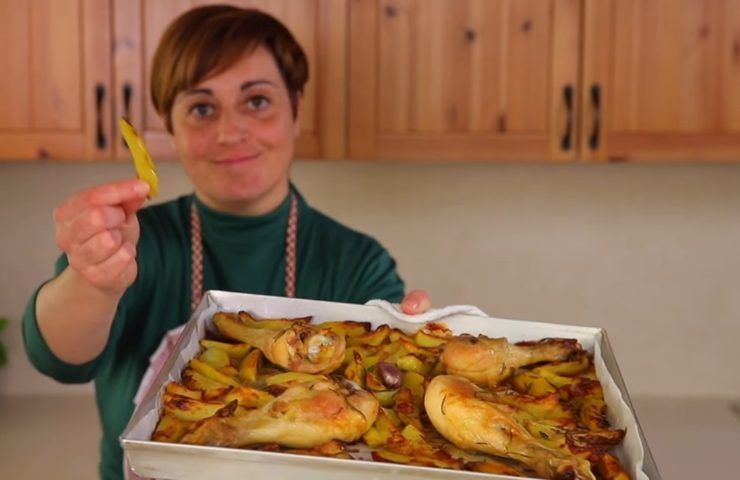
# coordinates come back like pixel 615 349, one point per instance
pixel 481 80
pixel 463 79
pixel 84 63
pixel 499 79
pixel 661 80
pixel 55 84
pixel 318 25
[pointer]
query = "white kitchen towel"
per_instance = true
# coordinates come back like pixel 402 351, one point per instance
pixel 431 315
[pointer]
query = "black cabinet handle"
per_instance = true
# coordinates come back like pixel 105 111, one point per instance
pixel 100 140
pixel 566 141
pixel 128 92
pixel 593 139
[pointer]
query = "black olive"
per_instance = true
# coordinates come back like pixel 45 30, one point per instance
pixel 389 374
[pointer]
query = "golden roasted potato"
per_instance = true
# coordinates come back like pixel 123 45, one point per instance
pixel 561 404
pixel 249 365
pixel 170 429
pixel 233 350
pixel 189 409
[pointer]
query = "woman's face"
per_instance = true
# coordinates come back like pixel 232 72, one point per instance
pixel 234 133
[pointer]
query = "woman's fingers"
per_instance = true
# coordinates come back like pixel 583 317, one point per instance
pixel 113 273
pixel 88 223
pixel 98 230
pixel 133 206
pixel 130 228
pixel 415 302
pixel 111 194
pixel 96 249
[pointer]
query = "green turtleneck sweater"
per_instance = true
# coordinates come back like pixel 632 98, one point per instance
pixel 242 254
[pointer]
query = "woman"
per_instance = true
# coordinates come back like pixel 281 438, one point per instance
pixel 227 83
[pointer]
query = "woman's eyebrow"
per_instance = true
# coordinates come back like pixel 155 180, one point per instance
pixel 244 86
pixel 251 83
pixel 194 91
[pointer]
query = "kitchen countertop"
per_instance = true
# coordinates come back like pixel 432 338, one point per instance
pixel 691 438
pixel 56 437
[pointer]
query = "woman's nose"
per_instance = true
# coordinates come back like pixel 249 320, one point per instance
pixel 232 128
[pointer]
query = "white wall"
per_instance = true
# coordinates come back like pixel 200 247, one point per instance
pixel 650 252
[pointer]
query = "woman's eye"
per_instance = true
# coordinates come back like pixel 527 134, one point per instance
pixel 201 110
pixel 258 102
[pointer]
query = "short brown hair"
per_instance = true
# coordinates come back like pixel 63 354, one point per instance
pixel 209 39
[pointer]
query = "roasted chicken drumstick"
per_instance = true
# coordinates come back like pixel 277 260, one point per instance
pixel 306 415
pixel 457 410
pixel 299 348
pixel 487 361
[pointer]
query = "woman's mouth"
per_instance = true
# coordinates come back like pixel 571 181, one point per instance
pixel 237 159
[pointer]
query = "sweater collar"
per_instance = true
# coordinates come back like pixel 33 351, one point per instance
pixel 242 232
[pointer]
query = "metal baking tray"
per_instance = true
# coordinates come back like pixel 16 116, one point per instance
pixel 194 462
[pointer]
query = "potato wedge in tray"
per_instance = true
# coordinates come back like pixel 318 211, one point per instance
pixel 427 398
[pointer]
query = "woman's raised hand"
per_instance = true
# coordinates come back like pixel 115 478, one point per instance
pixel 98 230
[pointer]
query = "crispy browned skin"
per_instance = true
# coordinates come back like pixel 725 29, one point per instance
pixel 306 415
pixel 487 361
pixel 457 410
pixel 299 348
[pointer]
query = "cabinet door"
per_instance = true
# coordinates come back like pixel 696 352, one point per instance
pixel 318 25
pixel 55 101
pixel 662 80
pixel 463 79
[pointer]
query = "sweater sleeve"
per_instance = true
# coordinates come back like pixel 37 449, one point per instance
pixel 41 356
pixel 38 350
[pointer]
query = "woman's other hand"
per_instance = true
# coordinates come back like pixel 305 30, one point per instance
pixel 98 230
pixel 415 302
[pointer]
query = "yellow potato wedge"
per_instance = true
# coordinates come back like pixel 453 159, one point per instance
pixel 544 407
pixel 215 357
pixel 197 381
pixel 247 397
pixel 426 340
pixel 385 397
pixel 170 429
pixel 374 338
pixel 210 372
pixel 188 409
pixel 348 328
pixel 610 468
pixel 175 388
pixel 412 363
pixel 407 408
pixel 249 366
pixel 568 368
pixel 355 372
pixel 292 377
pixel 530 383
pixel 233 350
